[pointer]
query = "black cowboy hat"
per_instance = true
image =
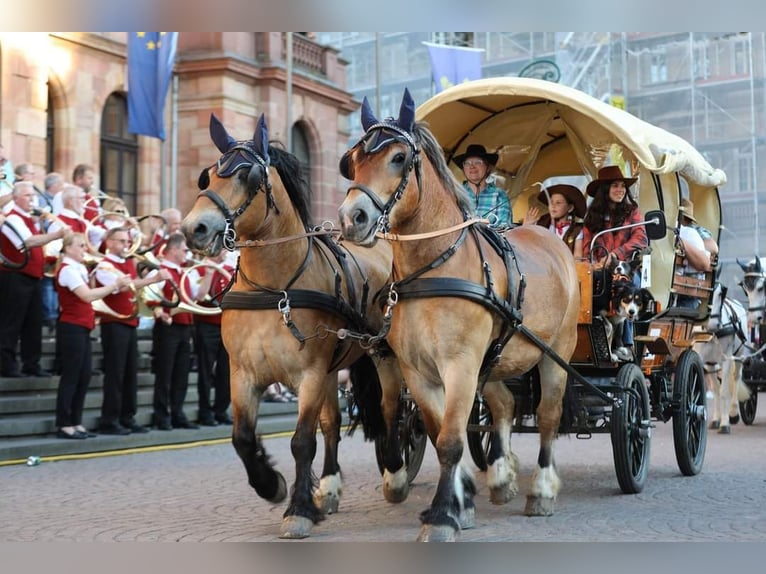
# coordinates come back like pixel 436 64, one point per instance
pixel 475 150
pixel 573 195
pixel 608 174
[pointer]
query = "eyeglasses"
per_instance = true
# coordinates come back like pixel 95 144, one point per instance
pixel 473 163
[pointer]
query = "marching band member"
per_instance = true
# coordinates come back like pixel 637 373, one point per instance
pixel 173 219
pixel 118 335
pixel 75 323
pixel 172 343
pixel 83 177
pixel 212 358
pixel 20 292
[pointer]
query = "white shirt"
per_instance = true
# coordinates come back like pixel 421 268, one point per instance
pixel 691 237
pixel 14 218
pixel 73 275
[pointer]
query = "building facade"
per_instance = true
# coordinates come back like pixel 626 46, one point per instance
pixel 705 87
pixel 64 103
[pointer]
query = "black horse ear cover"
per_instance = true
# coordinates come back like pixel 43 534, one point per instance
pixel 406 112
pixel 261 139
pixel 222 140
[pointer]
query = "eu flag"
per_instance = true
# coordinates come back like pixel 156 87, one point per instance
pixel 451 65
pixel 150 65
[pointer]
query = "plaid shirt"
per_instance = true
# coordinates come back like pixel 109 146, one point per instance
pixel 492 203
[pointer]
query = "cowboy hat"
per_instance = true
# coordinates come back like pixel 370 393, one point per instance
pixel 475 150
pixel 687 209
pixel 608 174
pixel 573 195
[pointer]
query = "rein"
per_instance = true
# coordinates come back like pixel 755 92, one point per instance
pixel 323 230
pixel 430 234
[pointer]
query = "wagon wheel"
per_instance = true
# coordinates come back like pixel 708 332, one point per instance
pixel 747 408
pixel 690 413
pixel 478 436
pixel 631 430
pixel 412 439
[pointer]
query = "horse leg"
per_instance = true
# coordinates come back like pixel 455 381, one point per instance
pixel 396 487
pixel 735 380
pixel 268 483
pixel 724 397
pixel 302 513
pixel 502 464
pixel 714 385
pixel 452 505
pixel 327 496
pixel 545 481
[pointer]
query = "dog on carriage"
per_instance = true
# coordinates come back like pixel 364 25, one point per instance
pixel 624 301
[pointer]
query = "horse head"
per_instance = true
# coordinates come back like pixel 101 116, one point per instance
pixel 754 285
pixel 228 188
pixel 380 165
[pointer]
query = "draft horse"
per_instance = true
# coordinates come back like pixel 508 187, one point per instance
pixel 460 293
pixel 295 288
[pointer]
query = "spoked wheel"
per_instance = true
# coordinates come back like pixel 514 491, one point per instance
pixel 690 413
pixel 631 430
pixel 479 437
pixel 747 408
pixel 412 439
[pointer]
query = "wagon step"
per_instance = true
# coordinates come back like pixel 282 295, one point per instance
pixel 655 345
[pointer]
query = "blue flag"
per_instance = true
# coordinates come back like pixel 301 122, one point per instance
pixel 150 65
pixel 452 65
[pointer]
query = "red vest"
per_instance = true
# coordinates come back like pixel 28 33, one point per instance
pixel 124 301
pixel 34 266
pixel 217 285
pixel 90 211
pixel 76 224
pixel 73 309
pixel 169 293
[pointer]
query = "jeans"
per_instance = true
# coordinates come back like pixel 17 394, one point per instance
pixel 50 301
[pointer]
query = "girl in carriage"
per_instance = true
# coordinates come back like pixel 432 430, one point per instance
pixel 566 209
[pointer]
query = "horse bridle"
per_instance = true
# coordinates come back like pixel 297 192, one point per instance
pixel 239 156
pixel 413 162
pixel 755 274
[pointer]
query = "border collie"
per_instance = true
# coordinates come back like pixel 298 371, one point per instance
pixel 627 302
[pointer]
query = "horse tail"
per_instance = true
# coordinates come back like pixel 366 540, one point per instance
pixel 366 397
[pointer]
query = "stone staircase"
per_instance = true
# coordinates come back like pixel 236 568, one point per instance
pixel 28 412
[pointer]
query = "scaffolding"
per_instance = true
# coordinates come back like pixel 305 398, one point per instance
pixel 707 87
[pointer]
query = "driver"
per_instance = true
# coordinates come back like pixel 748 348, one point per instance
pixel 491 202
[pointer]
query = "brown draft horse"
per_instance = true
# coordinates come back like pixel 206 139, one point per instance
pixel 455 300
pixel 295 288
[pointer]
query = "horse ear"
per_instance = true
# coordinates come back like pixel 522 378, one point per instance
pixel 261 138
pixel 758 268
pixel 744 266
pixel 368 117
pixel 406 112
pixel 222 140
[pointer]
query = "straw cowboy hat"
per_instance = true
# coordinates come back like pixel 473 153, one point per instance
pixel 608 174
pixel 687 209
pixel 475 150
pixel 573 195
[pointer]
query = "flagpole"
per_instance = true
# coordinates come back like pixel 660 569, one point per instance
pixel 377 74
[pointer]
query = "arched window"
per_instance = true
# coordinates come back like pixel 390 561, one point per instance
pixel 302 151
pixel 119 153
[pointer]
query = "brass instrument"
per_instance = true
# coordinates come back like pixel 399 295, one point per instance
pixel 190 305
pixel 128 223
pixel 24 251
pixel 52 249
pixel 100 306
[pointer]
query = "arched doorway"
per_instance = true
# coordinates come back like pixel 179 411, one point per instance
pixel 119 153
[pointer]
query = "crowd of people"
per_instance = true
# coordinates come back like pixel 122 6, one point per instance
pixel 68 265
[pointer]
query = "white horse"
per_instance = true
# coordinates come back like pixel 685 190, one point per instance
pixel 722 356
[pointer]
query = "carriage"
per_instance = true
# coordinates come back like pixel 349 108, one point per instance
pixel 548 133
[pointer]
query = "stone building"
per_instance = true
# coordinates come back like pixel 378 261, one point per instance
pixel 64 102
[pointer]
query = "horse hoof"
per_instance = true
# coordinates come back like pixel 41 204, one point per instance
pixel 724 430
pixel 734 420
pixel 502 479
pixel 437 533
pixel 502 494
pixel 281 493
pixel 396 488
pixel 714 425
pixel 327 496
pixel 467 518
pixel 296 527
pixel 538 506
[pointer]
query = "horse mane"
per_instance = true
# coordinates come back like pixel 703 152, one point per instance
pixel 435 155
pixel 289 169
